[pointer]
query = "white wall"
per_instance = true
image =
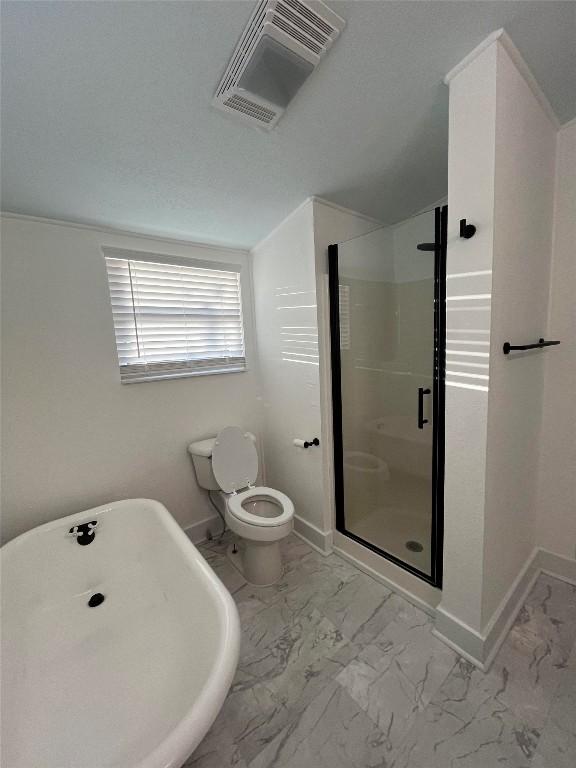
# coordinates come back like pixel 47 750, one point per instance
pixel 73 436
pixel 469 267
pixel 291 299
pixel 287 333
pixel 501 175
pixel 523 213
pixel 556 523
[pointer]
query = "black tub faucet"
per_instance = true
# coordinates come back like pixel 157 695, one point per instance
pixel 84 533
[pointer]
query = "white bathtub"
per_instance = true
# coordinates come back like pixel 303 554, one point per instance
pixel 133 683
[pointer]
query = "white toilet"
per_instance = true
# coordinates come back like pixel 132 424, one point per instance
pixel 227 467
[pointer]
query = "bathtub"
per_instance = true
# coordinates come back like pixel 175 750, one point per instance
pixel 134 682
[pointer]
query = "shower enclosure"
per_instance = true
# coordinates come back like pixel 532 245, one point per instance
pixel 387 316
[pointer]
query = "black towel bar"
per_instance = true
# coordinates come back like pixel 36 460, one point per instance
pixel 507 348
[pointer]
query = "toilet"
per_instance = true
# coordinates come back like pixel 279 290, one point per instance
pixel 227 467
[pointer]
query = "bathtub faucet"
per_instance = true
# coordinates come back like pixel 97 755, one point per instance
pixel 84 533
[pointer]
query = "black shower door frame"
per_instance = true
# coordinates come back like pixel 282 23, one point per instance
pixel 438 399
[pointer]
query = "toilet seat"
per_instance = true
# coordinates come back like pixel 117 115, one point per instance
pixel 236 500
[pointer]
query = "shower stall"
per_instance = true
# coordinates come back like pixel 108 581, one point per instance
pixel 387 318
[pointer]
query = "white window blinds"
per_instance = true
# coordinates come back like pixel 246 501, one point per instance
pixel 174 317
pixel 344 305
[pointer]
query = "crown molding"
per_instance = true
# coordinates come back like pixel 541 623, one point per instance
pixel 142 234
pixel 343 209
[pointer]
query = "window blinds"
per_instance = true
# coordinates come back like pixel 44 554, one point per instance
pixel 174 317
pixel 344 305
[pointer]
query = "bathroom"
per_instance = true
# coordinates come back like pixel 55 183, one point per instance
pixel 261 370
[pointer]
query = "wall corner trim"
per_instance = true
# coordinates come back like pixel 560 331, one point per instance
pixel 319 540
pixel 474 53
pixel 500 35
pixel 480 648
pixel 293 212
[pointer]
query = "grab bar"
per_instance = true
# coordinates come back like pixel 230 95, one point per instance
pixel 507 348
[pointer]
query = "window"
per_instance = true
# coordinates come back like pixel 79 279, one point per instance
pixel 174 317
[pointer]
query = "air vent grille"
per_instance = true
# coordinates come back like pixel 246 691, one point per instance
pixel 250 108
pixel 311 16
pixel 298 21
pixel 280 47
pixel 289 29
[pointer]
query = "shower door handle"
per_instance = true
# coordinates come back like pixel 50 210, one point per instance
pixel 421 419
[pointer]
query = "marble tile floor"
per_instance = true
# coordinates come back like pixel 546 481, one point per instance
pixel 337 671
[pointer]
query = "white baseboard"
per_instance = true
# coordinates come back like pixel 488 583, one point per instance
pixel 198 532
pixel 559 566
pixel 459 636
pixel 505 615
pixel 480 648
pixel 319 540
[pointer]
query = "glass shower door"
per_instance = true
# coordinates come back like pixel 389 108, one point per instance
pixel 387 310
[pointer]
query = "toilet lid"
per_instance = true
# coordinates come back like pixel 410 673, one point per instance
pixel 234 459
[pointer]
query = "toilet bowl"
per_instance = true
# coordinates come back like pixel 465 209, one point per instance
pixel 227 466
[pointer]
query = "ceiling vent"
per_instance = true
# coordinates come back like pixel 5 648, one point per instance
pixel 282 44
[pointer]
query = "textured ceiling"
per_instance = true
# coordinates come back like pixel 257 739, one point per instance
pixel 106 113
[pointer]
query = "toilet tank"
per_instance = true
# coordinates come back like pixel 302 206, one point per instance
pixel 201 452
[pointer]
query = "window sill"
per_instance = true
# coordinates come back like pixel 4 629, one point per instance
pixel 180 375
